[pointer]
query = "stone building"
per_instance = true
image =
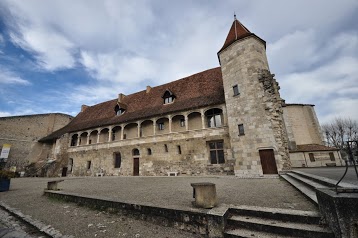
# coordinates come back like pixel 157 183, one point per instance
pixel 306 144
pixel 222 121
pixel 22 134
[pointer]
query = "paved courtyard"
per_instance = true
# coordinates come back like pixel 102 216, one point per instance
pixel 333 173
pixel 174 192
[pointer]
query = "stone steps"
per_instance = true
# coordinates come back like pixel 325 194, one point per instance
pixel 270 222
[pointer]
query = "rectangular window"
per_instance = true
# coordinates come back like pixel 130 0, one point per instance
pixel 165 148
pixel 89 165
pixel 331 156
pixel 241 129
pixel 161 126
pixel 117 160
pixel 216 149
pixel 311 155
pixel 182 122
pixel 236 90
pixel 179 149
pixel 124 136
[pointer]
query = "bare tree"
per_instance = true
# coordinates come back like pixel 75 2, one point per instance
pixel 338 132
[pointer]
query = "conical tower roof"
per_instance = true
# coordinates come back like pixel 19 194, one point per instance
pixel 237 31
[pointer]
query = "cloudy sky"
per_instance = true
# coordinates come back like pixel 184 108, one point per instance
pixel 56 55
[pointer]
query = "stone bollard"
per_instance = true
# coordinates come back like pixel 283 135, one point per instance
pixel 204 194
pixel 52 185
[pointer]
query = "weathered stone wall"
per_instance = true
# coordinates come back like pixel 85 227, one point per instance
pixel 256 107
pixel 23 132
pixel 304 125
pixel 322 158
pixel 193 159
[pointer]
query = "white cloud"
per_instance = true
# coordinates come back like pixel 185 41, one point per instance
pixel 8 77
pixel 5 114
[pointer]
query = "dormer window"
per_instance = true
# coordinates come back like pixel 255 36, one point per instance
pixel 119 110
pixel 168 97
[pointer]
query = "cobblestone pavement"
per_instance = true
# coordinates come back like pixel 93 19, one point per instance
pixel 26 195
pixel 12 227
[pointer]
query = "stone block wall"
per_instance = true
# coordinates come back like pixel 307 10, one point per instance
pixel 257 107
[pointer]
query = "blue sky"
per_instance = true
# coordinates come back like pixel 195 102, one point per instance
pixel 57 55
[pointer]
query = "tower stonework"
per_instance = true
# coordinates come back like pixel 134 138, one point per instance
pixel 253 104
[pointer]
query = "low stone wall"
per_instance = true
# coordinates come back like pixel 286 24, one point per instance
pixel 209 223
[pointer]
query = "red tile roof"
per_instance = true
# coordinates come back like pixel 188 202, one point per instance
pixel 312 148
pixel 198 90
pixel 237 31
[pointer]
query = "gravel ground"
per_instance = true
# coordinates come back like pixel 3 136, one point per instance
pixel 26 195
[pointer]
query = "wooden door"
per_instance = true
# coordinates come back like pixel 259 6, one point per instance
pixel 268 162
pixel 135 166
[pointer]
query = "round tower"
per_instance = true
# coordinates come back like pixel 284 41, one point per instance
pixel 253 104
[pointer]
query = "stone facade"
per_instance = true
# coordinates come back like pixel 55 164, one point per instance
pixel 316 159
pixel 23 133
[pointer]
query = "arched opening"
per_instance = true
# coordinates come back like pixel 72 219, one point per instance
pixel 74 140
pixel 146 128
pixel 116 133
pixel 194 121
pixel 168 97
pixel 136 154
pixel 130 131
pixel 162 126
pixel 93 137
pixel 104 135
pixel 83 138
pixel 214 117
pixel 178 123
pixel 119 110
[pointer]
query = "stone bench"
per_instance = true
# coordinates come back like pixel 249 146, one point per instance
pixel 172 173
pixel 204 194
pixel 52 185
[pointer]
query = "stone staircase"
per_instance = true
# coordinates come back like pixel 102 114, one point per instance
pixel 308 183
pixel 273 222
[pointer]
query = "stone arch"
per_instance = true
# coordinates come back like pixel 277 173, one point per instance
pixel 130 131
pixel 83 138
pixel 146 128
pixel 214 117
pixel 178 123
pixel 103 135
pixel 116 133
pixel 194 121
pixel 74 139
pixel 162 125
pixel 93 137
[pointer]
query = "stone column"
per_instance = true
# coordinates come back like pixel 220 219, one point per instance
pixel 154 126
pixel 98 135
pixel 138 128
pixel 78 139
pixel 122 132
pixel 110 134
pixel 170 124
pixel 186 122
pixel 88 138
pixel 202 118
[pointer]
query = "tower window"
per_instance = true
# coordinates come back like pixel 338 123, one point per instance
pixel 241 129
pixel 166 148
pixel 149 151
pixel 236 90
pixel 89 165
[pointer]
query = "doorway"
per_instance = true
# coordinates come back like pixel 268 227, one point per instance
pixel 268 162
pixel 64 171
pixel 135 166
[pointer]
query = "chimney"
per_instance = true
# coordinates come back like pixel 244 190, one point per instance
pixel 83 108
pixel 148 89
pixel 120 97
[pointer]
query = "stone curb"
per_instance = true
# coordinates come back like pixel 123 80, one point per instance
pixel 47 230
